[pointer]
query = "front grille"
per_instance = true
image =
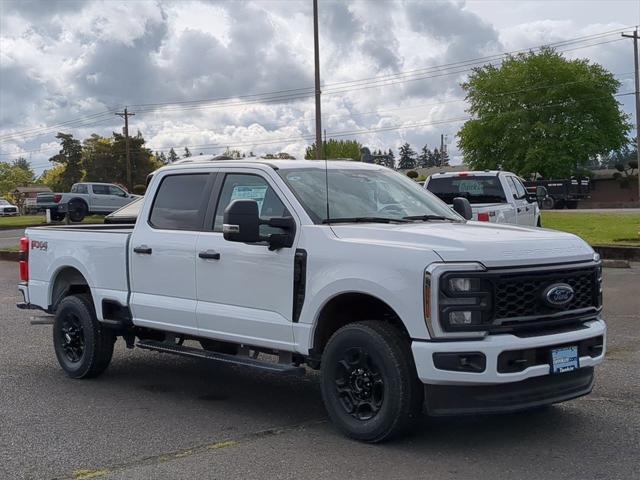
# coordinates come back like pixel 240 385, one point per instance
pixel 514 300
pixel 10 210
pixel 519 295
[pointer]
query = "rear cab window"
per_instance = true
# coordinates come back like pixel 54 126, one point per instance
pixel 180 202
pixel 475 188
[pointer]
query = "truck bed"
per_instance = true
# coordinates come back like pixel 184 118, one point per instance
pixel 97 252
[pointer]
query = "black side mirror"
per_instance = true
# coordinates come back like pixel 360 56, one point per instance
pixel 541 192
pixel 241 222
pixel 462 207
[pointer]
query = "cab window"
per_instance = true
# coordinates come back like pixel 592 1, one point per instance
pixel 250 187
pixel 180 202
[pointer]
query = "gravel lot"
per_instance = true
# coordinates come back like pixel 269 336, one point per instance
pixel 157 416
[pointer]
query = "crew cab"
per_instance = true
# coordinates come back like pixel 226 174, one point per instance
pixel 495 196
pixel 402 303
pixel 84 199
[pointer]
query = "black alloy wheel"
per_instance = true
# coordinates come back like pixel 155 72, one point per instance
pixel 72 338
pixel 359 384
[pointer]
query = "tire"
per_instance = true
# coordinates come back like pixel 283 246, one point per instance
pixel 219 346
pixel 83 346
pixel 369 384
pixel 77 210
pixel 548 203
pixel 57 217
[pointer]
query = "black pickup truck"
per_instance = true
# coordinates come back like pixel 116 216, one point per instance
pixel 562 193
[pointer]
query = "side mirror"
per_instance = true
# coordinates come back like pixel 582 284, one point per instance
pixel 541 192
pixel 462 207
pixel 241 222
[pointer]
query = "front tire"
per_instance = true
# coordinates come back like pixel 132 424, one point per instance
pixel 369 384
pixel 83 346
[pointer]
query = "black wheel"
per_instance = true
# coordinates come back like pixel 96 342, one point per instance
pixel 219 346
pixel 369 384
pixel 57 217
pixel 77 210
pixel 83 346
pixel 548 203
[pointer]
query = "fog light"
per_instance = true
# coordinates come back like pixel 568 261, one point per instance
pixel 460 361
pixel 460 318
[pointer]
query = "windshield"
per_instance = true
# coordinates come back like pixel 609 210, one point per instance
pixel 363 195
pixel 476 189
pixel 4 202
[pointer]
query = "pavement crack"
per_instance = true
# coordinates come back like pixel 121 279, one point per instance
pixel 84 474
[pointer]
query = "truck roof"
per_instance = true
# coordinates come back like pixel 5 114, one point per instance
pixel 486 173
pixel 273 163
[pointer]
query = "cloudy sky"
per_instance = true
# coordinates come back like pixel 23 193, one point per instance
pixel 240 73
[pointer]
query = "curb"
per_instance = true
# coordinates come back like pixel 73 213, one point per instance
pixel 608 252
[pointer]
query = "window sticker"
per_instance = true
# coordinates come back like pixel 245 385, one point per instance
pixel 249 192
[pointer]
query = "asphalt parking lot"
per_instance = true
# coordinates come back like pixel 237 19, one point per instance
pixel 157 416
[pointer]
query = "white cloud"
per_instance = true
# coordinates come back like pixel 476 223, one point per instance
pixel 62 60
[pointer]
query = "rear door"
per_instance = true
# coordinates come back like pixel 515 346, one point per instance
pixel 163 253
pixel 117 197
pixel 245 292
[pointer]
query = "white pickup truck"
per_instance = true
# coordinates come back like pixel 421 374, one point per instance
pixel 495 196
pixel 84 199
pixel 401 303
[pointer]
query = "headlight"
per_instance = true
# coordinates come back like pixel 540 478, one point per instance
pixel 464 302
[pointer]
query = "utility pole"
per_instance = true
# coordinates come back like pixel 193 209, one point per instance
pixel 440 160
pixel 316 50
pixel 637 75
pixel 126 116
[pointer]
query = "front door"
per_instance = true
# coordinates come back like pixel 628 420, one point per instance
pixel 163 253
pixel 245 291
pixel 524 209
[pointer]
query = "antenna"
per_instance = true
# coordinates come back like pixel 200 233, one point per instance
pixel 319 152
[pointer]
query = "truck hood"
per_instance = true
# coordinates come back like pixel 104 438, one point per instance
pixel 490 244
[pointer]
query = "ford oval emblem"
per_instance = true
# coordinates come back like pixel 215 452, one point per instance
pixel 558 294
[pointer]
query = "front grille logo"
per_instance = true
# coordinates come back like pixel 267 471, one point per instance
pixel 558 294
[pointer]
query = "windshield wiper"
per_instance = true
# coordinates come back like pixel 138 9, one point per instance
pixel 427 218
pixel 365 220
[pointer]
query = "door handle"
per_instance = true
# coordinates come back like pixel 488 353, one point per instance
pixel 209 255
pixel 142 249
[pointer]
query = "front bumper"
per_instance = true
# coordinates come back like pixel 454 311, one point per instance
pixel 508 397
pixel 491 346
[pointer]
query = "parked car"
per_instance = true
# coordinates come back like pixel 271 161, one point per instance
pixel 495 196
pixel 562 193
pixel 399 301
pixel 84 199
pixel 8 209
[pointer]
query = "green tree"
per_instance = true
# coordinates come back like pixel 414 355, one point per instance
pixel 407 157
pixel 25 165
pixel 391 160
pixel 70 156
pixel 425 159
pixel 187 152
pixel 336 149
pixel 53 178
pixel 12 176
pixel 541 113
pixel 173 156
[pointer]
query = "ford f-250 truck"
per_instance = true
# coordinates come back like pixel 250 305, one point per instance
pixel 400 302
pixel 495 196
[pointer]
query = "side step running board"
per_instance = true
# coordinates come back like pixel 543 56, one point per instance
pixel 237 360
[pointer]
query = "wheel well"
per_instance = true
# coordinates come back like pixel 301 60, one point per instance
pixel 68 281
pixel 349 308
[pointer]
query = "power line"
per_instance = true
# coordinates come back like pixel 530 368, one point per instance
pixel 304 92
